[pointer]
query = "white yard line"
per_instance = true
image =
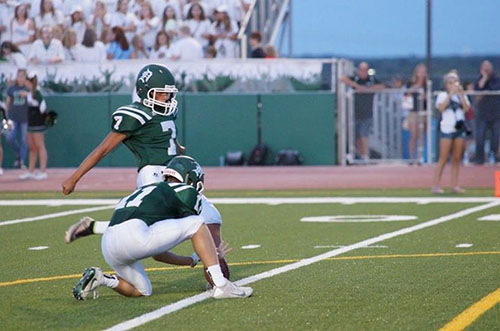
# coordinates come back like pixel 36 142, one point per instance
pixel 54 215
pixel 269 201
pixel 145 318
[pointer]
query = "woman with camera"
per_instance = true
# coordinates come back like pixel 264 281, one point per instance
pixel 452 105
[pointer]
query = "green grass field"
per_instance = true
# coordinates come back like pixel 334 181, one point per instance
pixel 418 280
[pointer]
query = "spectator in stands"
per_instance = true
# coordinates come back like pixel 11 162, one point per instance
pixel 488 113
pixel 270 52
pixel 100 19
pixel 17 109
pixel 161 47
pixel 10 53
pixel 257 50
pixel 91 49
pixel 138 48
pixel 87 6
pixel 76 21
pixel 5 18
pixel 208 8
pixel 363 82
pixel 225 32
pixel 211 52
pixel 148 25
pixel 125 19
pixel 119 48
pixel 159 6
pixel 170 22
pixel 58 32
pixel 418 81
pixel 236 8
pixel 22 29
pixel 69 42
pixel 46 50
pixel 452 104
pixel 49 16
pixel 199 25
pixel 36 129
pixel 186 48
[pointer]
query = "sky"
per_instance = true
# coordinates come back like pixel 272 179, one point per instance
pixel 392 28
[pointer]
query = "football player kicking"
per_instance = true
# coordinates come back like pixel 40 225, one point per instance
pixel 149 222
pixel 148 130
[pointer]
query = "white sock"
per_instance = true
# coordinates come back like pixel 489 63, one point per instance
pixel 216 273
pixel 110 280
pixel 100 227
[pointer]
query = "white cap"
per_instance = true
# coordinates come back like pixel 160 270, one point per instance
pixel 221 9
pixel 76 8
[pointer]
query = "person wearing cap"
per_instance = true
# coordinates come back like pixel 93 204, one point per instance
pixel 225 32
pixel 76 21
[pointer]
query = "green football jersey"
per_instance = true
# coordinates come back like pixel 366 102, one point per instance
pixel 157 202
pixel 150 137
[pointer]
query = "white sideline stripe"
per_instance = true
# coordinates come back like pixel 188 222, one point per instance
pixel 269 201
pixel 145 318
pixel 129 113
pixel 54 215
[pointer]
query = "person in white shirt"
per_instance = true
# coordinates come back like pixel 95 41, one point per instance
pixel 147 25
pixel 207 6
pixel 86 5
pixel 138 48
pixel 186 48
pixel 22 29
pixel 6 14
pixel 225 31
pixel 12 54
pixel 236 9
pixel 452 104
pixel 100 19
pixel 161 47
pixel 46 50
pixel 199 25
pixel 76 21
pixel 69 42
pixel 160 5
pixel 169 22
pixel 124 19
pixel 90 50
pixel 49 15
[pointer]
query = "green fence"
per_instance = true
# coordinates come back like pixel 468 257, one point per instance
pixel 209 125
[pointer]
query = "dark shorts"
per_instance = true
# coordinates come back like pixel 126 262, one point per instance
pixel 362 127
pixel 453 135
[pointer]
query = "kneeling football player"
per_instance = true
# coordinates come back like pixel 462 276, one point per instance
pixel 149 222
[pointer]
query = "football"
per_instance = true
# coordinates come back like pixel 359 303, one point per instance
pixel 225 271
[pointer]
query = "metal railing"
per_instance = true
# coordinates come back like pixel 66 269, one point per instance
pixel 386 134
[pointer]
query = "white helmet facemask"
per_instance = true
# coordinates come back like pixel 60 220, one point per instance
pixel 162 108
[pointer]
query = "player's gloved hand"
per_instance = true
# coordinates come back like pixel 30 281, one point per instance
pixel 223 249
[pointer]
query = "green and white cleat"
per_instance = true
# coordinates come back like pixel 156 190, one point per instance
pixel 231 290
pixel 91 279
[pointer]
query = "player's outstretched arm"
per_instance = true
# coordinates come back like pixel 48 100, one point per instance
pixel 109 143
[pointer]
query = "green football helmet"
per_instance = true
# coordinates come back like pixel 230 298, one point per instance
pixel 152 79
pixel 186 170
